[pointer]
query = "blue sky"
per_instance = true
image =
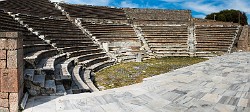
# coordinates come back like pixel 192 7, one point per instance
pixel 199 8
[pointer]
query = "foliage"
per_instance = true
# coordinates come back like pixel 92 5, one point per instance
pixel 229 16
pixel 124 74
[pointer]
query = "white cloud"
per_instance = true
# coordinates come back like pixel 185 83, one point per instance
pixel 200 16
pixel 242 5
pixel 201 7
pixel 173 0
pixel 209 6
pixel 128 4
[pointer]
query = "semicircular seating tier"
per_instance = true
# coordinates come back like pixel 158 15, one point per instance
pixel 56 54
pixel 215 37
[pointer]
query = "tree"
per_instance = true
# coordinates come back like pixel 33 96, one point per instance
pixel 234 16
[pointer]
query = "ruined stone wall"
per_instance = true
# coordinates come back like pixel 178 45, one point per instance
pixel 158 14
pixel 11 71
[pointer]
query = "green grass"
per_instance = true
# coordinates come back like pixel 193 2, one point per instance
pixel 124 74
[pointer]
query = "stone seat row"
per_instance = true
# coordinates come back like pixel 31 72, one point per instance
pixel 67 63
pixel 215 35
pixel 9 24
pixel 42 8
pixel 62 44
pixel 113 34
pixel 72 69
pixel 214 38
pixel 163 41
pixel 219 40
pixel 166 40
pixel 93 11
pixel 44 60
pixel 100 15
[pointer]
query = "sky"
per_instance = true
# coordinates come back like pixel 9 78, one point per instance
pixel 199 8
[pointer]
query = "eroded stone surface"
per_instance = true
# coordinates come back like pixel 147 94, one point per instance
pixel 219 84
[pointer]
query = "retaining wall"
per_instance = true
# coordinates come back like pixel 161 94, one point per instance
pixel 11 71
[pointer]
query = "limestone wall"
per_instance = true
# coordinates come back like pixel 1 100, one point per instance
pixel 158 14
pixel 11 71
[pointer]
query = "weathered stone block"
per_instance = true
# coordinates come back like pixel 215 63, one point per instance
pixel 14 101
pixel 10 44
pixel 4 95
pixel 14 43
pixel 4 103
pixel 3 64
pixel 14 97
pixel 0 79
pixel 10 40
pixel 2 43
pixel 14 58
pixel 4 109
pixel 10 77
pixel 3 54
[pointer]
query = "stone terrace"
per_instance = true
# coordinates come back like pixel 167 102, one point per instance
pixel 219 84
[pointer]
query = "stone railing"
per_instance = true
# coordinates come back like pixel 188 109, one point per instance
pixel 11 71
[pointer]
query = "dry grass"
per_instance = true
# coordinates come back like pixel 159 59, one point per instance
pixel 124 74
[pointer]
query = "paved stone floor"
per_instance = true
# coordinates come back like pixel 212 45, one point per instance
pixel 221 84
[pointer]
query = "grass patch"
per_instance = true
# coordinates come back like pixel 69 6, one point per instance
pixel 124 74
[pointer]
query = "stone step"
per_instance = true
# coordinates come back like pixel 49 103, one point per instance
pixel 42 63
pixel 75 89
pixel 48 67
pixel 204 54
pixel 69 91
pixel 39 80
pixel 60 90
pixel 76 77
pixel 50 86
pixel 88 81
pixel 57 73
pixel 65 73
pixel 98 66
